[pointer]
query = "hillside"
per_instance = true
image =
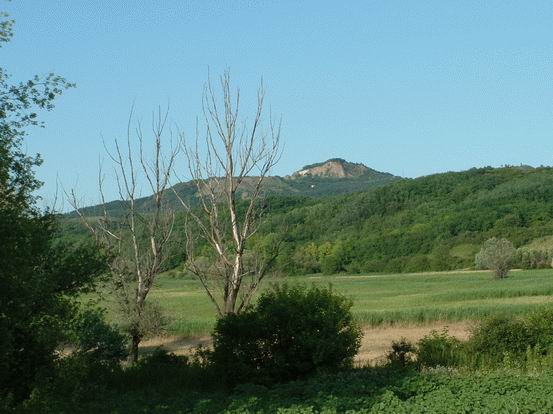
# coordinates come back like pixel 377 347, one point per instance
pixel 329 178
pixel 436 222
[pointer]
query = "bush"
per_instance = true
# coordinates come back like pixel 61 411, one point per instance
pixel 290 333
pixel 94 338
pixel 160 367
pixel 402 353
pixel 502 340
pixel 439 349
pixel 539 325
pixel 90 368
pixel 496 255
pixel 527 258
pixel 500 337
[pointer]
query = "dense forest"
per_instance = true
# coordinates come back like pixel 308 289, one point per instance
pixel 436 222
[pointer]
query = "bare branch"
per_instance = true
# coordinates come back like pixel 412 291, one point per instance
pixel 221 170
pixel 125 234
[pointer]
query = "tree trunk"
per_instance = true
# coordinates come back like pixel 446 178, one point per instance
pixel 135 341
pixel 136 335
pixel 232 296
pixel 230 302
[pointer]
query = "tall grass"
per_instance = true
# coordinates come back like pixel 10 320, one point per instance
pixel 383 299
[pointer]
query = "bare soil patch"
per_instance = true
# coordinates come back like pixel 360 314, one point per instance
pixel 377 341
pixel 375 344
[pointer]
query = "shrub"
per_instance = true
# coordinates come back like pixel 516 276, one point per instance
pixel 497 256
pixel 402 353
pixel 94 338
pixel 439 349
pixel 539 325
pixel 290 333
pixel 500 337
pixel 527 258
pixel 156 368
pixel 87 371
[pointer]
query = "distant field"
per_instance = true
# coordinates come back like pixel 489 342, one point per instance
pixel 383 299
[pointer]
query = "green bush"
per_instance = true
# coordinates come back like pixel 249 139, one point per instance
pixel 290 333
pixel 93 337
pixel 402 353
pixel 440 349
pixel 500 337
pixel 158 368
pixel 90 368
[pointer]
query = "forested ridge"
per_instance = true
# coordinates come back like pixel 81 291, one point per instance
pixel 436 222
pixel 430 223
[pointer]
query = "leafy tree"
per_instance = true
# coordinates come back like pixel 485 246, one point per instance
pixel 39 276
pixel 496 255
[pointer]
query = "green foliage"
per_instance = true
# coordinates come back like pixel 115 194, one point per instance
pixel 402 353
pixel 529 258
pixel 497 337
pixel 41 282
pixel 93 338
pixel 40 278
pixel 429 223
pixel 289 333
pixel 496 255
pixel 539 325
pixel 161 367
pixel 357 391
pixel 522 342
pixel 91 367
pixel 166 383
pixel 439 349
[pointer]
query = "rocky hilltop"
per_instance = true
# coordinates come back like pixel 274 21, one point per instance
pixel 334 167
pixel 329 178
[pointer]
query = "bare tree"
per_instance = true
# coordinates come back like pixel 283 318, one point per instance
pixel 229 166
pixel 137 238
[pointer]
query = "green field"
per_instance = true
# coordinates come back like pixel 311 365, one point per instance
pixel 382 299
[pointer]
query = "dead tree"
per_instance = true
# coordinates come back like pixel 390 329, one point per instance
pixel 137 238
pixel 229 166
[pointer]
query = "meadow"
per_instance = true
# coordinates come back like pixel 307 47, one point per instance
pixel 380 300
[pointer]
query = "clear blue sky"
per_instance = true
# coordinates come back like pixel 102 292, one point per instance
pixel 408 87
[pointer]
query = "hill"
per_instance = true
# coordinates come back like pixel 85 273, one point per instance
pixel 337 168
pixel 329 178
pixel 436 222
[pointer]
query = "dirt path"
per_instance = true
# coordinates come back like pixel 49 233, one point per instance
pixel 374 345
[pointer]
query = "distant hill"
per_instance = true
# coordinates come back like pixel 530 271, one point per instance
pixel 329 178
pixel 338 168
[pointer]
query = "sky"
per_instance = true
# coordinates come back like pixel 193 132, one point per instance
pixel 407 87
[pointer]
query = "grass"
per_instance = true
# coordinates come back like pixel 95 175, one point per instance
pixel 382 299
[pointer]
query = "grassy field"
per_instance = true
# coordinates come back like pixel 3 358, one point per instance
pixel 383 299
